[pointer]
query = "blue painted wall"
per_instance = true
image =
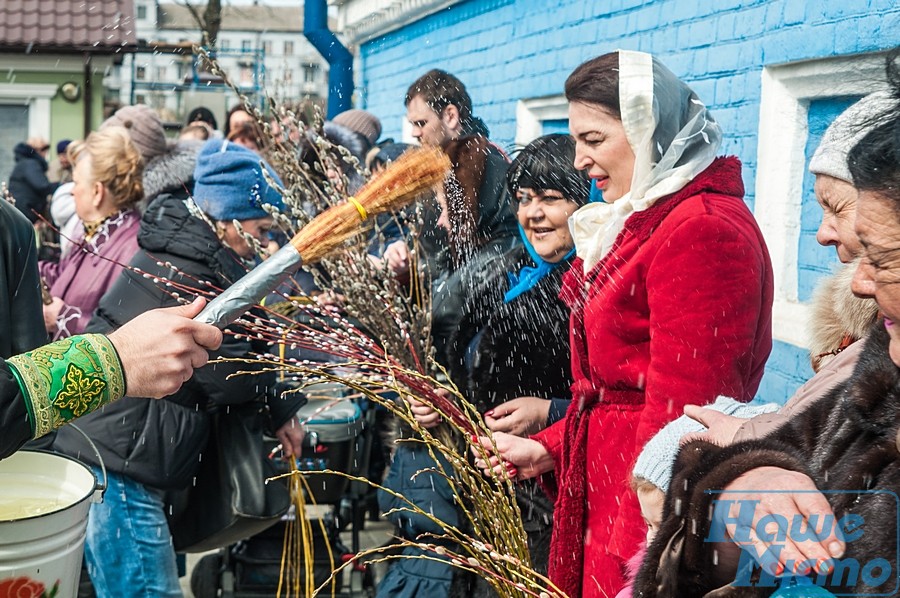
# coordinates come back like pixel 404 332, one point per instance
pixel 504 50
pixel 788 366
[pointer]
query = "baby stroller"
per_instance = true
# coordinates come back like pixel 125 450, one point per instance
pixel 337 439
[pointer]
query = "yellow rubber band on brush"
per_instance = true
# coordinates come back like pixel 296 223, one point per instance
pixel 359 208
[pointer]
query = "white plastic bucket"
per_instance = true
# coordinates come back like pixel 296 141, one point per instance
pixel 44 503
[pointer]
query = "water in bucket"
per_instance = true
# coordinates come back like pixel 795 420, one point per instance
pixel 44 503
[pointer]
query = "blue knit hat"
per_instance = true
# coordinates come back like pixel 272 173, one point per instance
pixel 658 456
pixel 229 184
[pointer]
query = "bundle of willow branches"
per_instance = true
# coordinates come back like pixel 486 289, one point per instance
pixel 378 344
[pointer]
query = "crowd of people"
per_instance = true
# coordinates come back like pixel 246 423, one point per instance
pixel 603 298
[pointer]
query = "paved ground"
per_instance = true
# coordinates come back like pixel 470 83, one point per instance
pixel 374 534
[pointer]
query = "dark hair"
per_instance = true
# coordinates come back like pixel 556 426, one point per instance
pixel 387 152
pixel 202 114
pixel 596 82
pixel 440 89
pixel 237 108
pixel 250 131
pixel 875 161
pixel 547 163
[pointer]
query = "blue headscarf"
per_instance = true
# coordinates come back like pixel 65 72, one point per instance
pixel 546 163
pixel 528 277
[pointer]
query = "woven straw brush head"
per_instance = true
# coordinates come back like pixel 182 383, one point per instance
pixel 406 179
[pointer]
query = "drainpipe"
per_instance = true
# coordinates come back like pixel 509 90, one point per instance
pixel 340 61
pixel 87 94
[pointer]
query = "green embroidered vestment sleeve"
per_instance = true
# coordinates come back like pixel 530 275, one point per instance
pixel 66 379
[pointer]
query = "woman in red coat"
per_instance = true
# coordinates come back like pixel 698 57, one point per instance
pixel 671 298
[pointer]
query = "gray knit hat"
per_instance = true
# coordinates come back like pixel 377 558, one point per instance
pixel 654 464
pixel 144 127
pixel 362 122
pixel 846 131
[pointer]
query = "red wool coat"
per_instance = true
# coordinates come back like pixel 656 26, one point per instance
pixel 679 311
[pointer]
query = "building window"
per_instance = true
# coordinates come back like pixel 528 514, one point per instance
pixel 267 47
pixel 555 125
pixel 288 48
pixel 141 11
pixel 288 75
pixel 140 99
pixel 540 116
pixel 224 45
pixel 792 95
pixel 246 75
pixel 246 45
pixel 140 73
pixel 160 73
pixel 309 72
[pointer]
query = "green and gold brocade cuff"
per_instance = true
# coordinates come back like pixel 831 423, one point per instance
pixel 68 378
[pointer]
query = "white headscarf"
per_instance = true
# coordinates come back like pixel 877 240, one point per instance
pixel 673 136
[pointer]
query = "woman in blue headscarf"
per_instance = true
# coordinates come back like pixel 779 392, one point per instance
pixel 513 341
pixel 517 349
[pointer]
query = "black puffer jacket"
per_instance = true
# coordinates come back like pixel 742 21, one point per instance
pixel 158 443
pixel 28 183
pixel 21 324
pixel 501 351
pixel 484 232
pixel 520 348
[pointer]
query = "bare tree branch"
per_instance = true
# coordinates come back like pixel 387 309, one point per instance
pixel 213 17
pixel 209 21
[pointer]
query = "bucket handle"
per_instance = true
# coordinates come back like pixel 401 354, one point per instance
pixel 97 497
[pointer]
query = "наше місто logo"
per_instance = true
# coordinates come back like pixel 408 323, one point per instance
pixel 867 567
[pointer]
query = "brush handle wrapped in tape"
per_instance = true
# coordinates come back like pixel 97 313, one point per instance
pixel 404 180
pixel 251 288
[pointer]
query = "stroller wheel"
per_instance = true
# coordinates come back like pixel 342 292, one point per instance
pixel 206 576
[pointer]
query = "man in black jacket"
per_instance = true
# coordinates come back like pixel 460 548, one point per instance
pixel 28 183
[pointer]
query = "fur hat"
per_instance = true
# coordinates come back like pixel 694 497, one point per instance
pixel 364 123
pixel 172 171
pixel 838 316
pixel 846 131
pixel 144 127
pixel 654 464
pixel 229 183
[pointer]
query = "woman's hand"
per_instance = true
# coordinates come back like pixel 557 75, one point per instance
pixel 767 491
pixel 424 414
pixel 51 313
pixel 291 436
pixel 521 416
pixel 721 428
pixel 521 458
pixel 397 257
pixel 330 301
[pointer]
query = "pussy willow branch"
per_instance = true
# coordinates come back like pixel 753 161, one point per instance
pixel 487 504
pixel 505 573
pixel 400 361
